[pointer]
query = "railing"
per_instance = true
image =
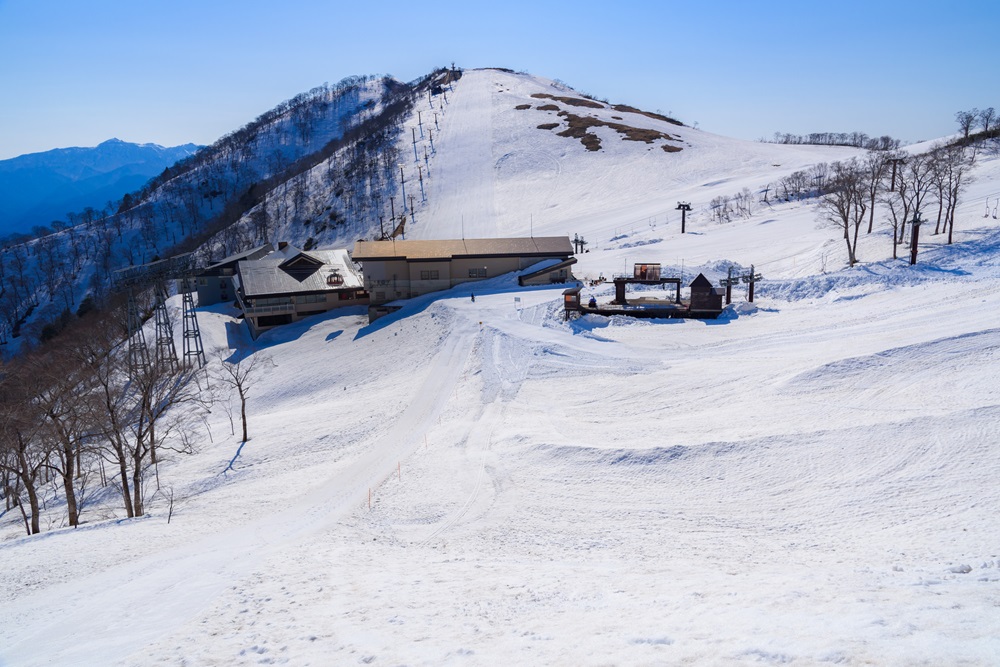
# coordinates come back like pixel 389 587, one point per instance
pixel 255 311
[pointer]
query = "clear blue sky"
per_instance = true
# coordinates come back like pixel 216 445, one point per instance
pixel 75 72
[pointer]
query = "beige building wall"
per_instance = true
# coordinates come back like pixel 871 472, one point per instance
pixel 388 280
pixel 426 277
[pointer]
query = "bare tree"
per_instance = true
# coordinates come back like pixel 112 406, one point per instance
pixel 966 120
pixel 240 372
pixel 918 176
pixel 60 405
pixel 957 163
pixel 875 164
pixel 897 205
pixel 136 411
pixel 846 202
pixel 986 118
pixel 22 455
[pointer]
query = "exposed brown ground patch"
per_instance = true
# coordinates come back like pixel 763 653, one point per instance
pixel 522 107
pixel 649 114
pixel 548 126
pixel 572 101
pixel 548 107
pixel 578 126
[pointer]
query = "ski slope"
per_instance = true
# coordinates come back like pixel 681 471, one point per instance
pixel 810 479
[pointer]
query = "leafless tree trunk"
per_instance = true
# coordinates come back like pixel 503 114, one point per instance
pixel 876 164
pixel 21 451
pixel 240 372
pixel 986 118
pixel 966 120
pixel 846 203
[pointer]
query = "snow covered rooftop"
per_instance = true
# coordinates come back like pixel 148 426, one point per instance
pixel 293 271
pixel 459 248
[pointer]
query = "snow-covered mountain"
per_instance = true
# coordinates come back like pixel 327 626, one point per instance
pixel 809 479
pixel 38 188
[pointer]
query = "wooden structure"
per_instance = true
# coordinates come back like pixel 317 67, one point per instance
pixel 704 297
pixel 705 301
pixel 571 301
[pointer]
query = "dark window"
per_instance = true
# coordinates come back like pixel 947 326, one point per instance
pixel 273 320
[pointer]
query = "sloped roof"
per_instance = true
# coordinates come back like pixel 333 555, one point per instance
pixel 235 257
pixel 445 249
pixel 701 281
pixel 268 275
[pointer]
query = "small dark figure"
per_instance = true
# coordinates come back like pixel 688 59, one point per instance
pixel 473 297
pixel 592 303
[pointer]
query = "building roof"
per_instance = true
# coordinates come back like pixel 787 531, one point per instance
pixel 246 254
pixel 291 271
pixel 701 282
pixel 447 249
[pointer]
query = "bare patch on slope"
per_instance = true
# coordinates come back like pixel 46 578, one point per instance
pixel 578 126
pixel 627 109
pixel 572 101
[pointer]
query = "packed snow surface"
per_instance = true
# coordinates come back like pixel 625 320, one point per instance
pixel 810 479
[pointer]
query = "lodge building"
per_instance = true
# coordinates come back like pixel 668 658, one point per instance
pixel 396 269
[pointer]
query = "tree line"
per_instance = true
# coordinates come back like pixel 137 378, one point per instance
pixel 78 421
pixel 903 186
pixel 92 416
pixel 853 139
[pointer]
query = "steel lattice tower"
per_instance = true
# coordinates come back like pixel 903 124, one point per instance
pixel 193 350
pixel 138 353
pixel 166 351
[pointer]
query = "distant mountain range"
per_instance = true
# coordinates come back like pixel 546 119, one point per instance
pixel 38 188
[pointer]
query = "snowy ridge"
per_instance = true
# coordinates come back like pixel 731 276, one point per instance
pixel 807 480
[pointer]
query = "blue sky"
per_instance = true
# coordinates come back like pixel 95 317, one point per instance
pixel 75 73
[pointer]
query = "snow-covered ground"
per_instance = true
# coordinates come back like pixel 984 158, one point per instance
pixel 810 479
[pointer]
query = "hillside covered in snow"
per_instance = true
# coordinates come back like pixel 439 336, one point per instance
pixel 809 479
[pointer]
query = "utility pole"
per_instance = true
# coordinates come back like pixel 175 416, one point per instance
pixel 430 134
pixel 420 174
pixel 728 283
pixel 420 124
pixel 913 239
pixel 578 244
pixel 750 279
pixel 402 184
pixel 413 130
pixel 683 207
pixel 436 121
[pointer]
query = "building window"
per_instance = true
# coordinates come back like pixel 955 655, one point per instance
pixel 311 298
pixel 272 301
pixel 477 273
pixel 429 275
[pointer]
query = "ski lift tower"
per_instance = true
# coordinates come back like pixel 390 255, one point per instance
pixel 156 274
